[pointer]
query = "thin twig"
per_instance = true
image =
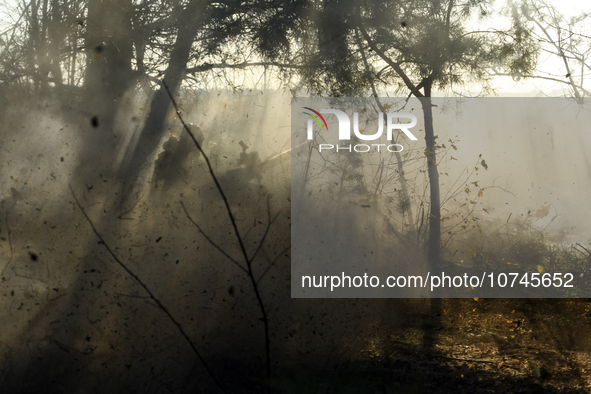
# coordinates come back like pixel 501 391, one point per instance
pixel 587 250
pixel 222 251
pixel 273 263
pixel 152 296
pixel 236 232
pixel 264 237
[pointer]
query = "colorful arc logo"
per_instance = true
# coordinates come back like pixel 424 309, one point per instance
pixel 315 118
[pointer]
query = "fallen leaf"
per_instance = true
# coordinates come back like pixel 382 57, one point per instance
pixel 543 212
pixel 514 323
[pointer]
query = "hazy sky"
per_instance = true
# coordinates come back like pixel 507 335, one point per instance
pixel 504 86
pixel 537 87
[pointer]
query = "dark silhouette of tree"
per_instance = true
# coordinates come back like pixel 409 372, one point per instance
pixel 427 46
pixel 203 29
pixel 189 22
pixel 130 45
pixel 418 47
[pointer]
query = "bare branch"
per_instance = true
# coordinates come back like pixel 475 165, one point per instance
pixel 211 66
pixel 145 287
pixel 222 251
pixel 236 232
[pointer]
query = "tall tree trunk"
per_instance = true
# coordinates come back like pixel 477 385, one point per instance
pixel 108 77
pixel 190 21
pixel 42 50
pixel 34 45
pixel 434 243
pixel 72 68
pixel 108 56
pixel 56 36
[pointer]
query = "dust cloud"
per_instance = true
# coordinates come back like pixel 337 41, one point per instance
pixel 73 318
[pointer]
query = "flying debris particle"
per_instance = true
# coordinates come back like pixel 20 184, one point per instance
pixel 543 212
pixel 33 256
pixel 403 23
pixel 62 159
pixel 94 121
pixel 159 238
